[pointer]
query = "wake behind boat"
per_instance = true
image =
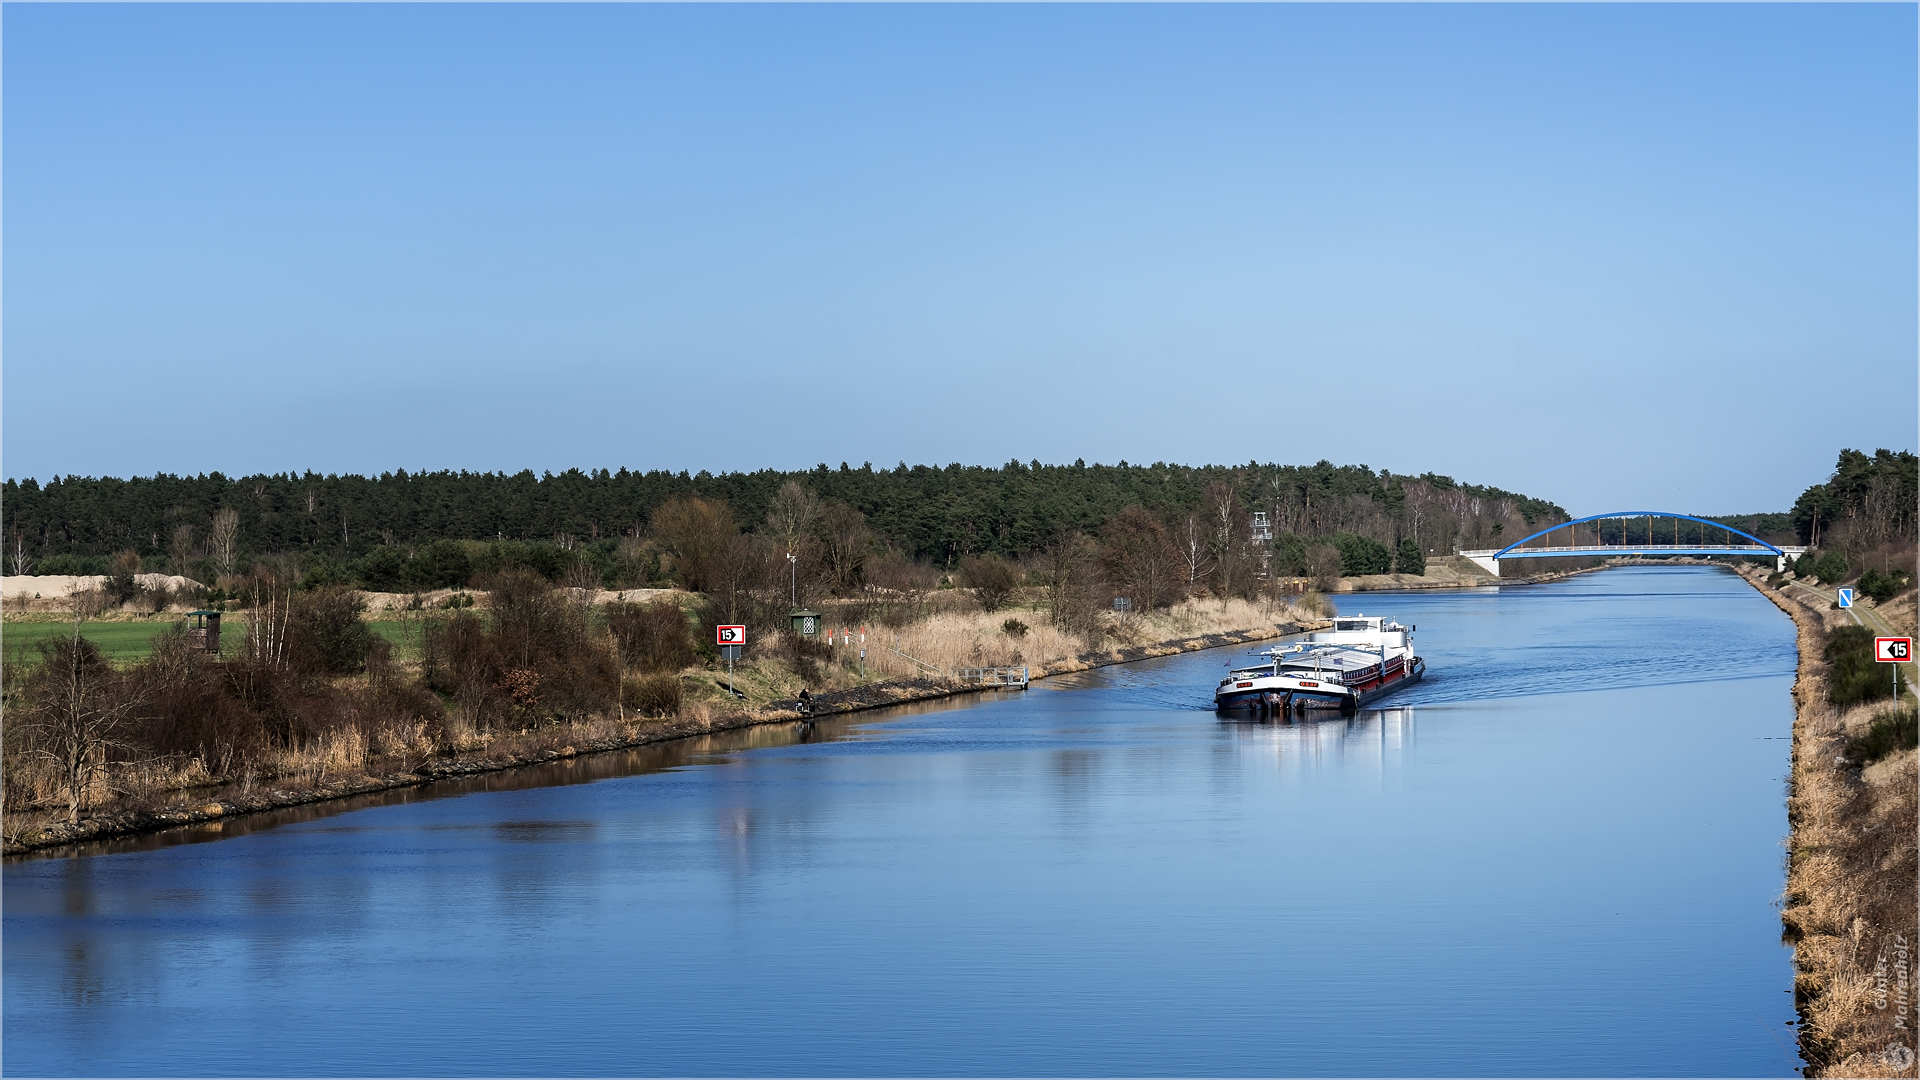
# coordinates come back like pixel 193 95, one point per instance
pixel 1357 661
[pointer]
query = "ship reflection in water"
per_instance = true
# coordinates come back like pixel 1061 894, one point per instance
pixel 1305 740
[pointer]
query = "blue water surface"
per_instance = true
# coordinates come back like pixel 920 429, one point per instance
pixel 1559 855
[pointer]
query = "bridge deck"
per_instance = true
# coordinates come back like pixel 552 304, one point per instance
pixel 1638 549
pixel 1489 560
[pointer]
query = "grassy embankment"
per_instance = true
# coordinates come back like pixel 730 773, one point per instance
pixel 159 796
pixel 132 638
pixel 1849 908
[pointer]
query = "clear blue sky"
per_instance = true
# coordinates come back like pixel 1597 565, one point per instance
pixel 1617 256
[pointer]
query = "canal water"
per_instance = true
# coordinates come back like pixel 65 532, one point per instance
pixel 1559 855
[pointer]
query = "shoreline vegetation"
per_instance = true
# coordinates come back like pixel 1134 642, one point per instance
pixel 767 697
pixel 373 625
pixel 1849 906
pixel 904 664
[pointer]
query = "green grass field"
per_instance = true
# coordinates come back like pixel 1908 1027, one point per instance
pixel 126 641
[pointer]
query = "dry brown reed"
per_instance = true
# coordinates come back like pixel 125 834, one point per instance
pixel 952 639
pixel 1849 906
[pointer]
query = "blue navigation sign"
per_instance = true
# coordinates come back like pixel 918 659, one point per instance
pixel 1846 597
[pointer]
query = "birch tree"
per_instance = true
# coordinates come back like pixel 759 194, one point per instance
pixel 1192 542
pixel 224 535
pixel 18 561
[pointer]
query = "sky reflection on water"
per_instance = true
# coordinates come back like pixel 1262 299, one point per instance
pixel 1099 876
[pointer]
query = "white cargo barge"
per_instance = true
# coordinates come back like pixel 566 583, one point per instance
pixel 1357 661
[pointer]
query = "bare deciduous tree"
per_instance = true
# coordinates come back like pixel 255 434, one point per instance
pixel 844 539
pixel 699 533
pixel 895 585
pixel 80 707
pixel 791 515
pixel 1194 555
pixel 1227 544
pixel 583 579
pixel 181 550
pixel 992 579
pixel 18 561
pixel 267 622
pixel 224 536
pixel 1140 559
pixel 1072 583
pixel 742 566
pixel 1882 510
pixel 633 555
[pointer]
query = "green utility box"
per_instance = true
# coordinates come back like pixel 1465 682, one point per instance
pixel 806 623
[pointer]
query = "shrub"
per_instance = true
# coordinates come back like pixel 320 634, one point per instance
pixel 1408 559
pixel 410 700
pixel 1362 555
pixel 1290 555
pixel 1323 562
pixel 531 632
pixel 121 585
pixel 529 618
pixel 992 579
pixel 1892 730
pixel 1014 628
pixel 382 569
pixel 520 686
pixel 502 556
pixel 1828 566
pixel 443 564
pixel 805 654
pixel 653 695
pixel 456 654
pixel 651 637
pixel 73 565
pixel 325 573
pixel 187 711
pixel 1883 587
pixel 1853 676
pixel 325 632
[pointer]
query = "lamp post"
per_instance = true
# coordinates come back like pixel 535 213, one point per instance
pixel 793 584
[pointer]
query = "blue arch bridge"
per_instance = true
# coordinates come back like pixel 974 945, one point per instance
pixel 1630 534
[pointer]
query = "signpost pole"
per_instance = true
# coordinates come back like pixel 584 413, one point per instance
pixel 730 638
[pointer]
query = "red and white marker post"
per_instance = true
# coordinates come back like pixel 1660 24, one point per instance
pixel 730 639
pixel 1895 651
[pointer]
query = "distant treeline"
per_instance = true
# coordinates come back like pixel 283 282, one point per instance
pixel 201 525
pixel 1776 527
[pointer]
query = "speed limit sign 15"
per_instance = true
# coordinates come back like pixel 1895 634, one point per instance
pixel 730 635
pixel 1893 650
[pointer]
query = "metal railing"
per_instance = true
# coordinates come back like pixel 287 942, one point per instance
pixel 1632 549
pixel 930 669
pixel 992 676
